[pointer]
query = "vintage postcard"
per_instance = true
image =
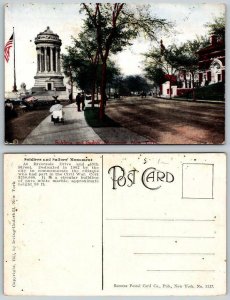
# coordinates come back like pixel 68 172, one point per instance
pixel 114 73
pixel 115 224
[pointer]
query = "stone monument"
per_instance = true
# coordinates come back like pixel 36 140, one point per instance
pixel 49 76
pixel 23 91
pixel 23 88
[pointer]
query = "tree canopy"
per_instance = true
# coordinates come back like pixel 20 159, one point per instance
pixel 135 84
pixel 115 25
pixel 217 27
pixel 166 62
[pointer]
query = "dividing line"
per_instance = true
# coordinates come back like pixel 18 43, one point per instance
pixel 212 181
pixel 161 220
pixel 102 230
pixel 180 270
pixel 167 236
pixel 168 253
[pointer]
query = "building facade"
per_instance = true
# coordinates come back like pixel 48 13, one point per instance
pixel 212 62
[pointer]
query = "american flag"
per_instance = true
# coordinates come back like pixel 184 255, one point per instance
pixel 7 47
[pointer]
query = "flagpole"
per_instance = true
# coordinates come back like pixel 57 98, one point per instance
pixel 15 86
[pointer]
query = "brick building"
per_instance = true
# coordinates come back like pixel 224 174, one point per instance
pixel 212 62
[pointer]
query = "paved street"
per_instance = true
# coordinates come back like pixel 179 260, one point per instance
pixel 138 121
pixel 169 121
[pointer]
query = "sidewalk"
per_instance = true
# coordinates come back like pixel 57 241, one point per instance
pixel 77 131
pixel 194 101
pixel 74 131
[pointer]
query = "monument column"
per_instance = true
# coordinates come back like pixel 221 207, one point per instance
pixel 54 59
pixel 42 59
pixel 48 59
pixel 56 53
pixel 51 59
pixel 48 45
pixel 45 56
pixel 58 61
pixel 38 61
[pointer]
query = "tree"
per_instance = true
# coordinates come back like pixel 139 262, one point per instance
pixel 115 26
pixel 163 59
pixel 83 57
pixel 113 73
pixel 80 68
pixel 174 59
pixel 187 58
pixel 119 86
pixel 85 72
pixel 217 27
pixel 135 84
pixel 155 74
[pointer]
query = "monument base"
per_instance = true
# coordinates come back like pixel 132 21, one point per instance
pixel 48 82
pixel 44 90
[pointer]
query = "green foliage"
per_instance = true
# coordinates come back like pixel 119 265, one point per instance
pixel 133 84
pixel 185 56
pixel 164 60
pixel 116 25
pixel 217 27
pixel 77 68
pixel 136 83
pixel 211 92
pixel 82 68
pixel 155 74
pixel 108 28
pixel 173 59
pixel 113 72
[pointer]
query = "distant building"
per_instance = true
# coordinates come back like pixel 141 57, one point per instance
pixel 211 69
pixel 212 62
pixel 49 76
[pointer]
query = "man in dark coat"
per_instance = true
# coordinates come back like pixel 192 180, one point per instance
pixel 83 101
pixel 78 101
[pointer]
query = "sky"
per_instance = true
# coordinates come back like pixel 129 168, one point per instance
pixel 65 20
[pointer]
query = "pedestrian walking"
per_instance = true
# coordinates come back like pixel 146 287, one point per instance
pixel 83 101
pixel 78 101
pixel 70 97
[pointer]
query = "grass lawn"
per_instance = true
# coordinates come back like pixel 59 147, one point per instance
pixel 92 118
pixel 17 128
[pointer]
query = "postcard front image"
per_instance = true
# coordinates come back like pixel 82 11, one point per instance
pixel 114 73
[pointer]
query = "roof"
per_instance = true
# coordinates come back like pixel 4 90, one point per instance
pixel 47 36
pixel 218 46
pixel 47 31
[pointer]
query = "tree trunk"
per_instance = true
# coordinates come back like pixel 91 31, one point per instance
pixel 93 93
pixel 93 85
pixel 97 92
pixel 170 89
pixel 185 80
pixel 103 90
pixel 193 88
